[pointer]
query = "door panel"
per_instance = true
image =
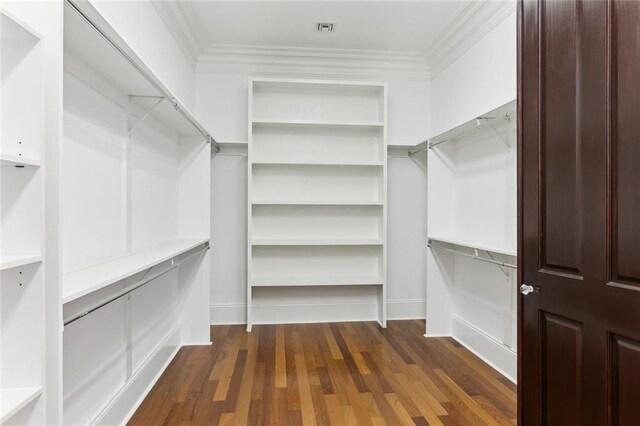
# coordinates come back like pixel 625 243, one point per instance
pixel 561 374
pixel 625 143
pixel 579 212
pixel 560 185
pixel 625 379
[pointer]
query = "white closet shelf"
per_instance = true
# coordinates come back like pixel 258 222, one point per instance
pixel 475 245
pixel 14 160
pixel 123 69
pixel 474 124
pixel 319 123
pixel 316 203
pixel 8 261
pixel 15 399
pixel 317 242
pixel 319 163
pixel 314 281
pixel 87 280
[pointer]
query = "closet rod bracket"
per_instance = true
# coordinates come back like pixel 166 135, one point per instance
pixel 435 246
pixel 148 113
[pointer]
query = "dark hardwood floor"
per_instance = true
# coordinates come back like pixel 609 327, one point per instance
pixel 321 374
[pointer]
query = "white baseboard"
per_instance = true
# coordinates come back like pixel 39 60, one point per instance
pixel 228 313
pixel 125 403
pixel 406 309
pixel 236 313
pixel 497 355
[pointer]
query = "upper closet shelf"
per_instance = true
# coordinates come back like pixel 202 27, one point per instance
pixel 320 162
pixel 87 280
pixel 487 120
pixel 316 242
pixel 316 203
pixel 319 123
pixel 91 40
pixel 8 261
pixel 474 245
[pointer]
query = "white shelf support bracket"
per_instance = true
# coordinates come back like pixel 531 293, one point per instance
pixel 491 121
pixel 504 271
pixel 426 147
pixel 133 124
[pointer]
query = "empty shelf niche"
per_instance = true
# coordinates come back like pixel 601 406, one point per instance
pixel 315 143
pixel 21 337
pixel 316 265
pixel 320 182
pixel 317 101
pixel 22 94
pixel 317 223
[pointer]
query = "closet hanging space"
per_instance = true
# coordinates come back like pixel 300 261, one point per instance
pixel 471 261
pixel 135 213
pixel 21 185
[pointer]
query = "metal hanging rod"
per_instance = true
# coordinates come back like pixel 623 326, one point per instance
pixel 426 146
pixel 128 290
pixel 471 256
pixel 208 138
pixel 481 122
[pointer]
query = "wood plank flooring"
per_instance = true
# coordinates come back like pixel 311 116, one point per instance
pixel 328 374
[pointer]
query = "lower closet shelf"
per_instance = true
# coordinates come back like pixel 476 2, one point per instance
pixel 314 281
pixel 15 399
pixel 87 280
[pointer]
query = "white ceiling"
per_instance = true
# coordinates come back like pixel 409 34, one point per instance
pixel 404 26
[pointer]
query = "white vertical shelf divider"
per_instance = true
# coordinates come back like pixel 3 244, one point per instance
pixel 317 186
pixel 21 222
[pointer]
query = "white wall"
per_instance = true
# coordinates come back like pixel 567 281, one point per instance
pixel 221 104
pixel 481 79
pixel 155 45
pixel 482 298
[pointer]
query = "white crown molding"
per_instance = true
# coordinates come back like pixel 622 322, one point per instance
pixel 312 62
pixel 474 20
pixel 181 20
pixel 469 25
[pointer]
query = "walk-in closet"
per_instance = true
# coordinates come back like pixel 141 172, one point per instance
pixel 319 213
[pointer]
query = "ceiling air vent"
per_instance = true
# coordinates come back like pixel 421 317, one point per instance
pixel 325 27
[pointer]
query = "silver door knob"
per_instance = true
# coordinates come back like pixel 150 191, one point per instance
pixel 526 289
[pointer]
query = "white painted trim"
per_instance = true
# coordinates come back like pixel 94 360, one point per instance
pixel 182 21
pixel 235 313
pixel 406 309
pixel 125 403
pixel 228 313
pixel 486 347
pixel 474 20
pixel 310 62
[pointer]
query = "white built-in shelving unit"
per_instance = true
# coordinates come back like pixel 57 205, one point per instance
pixel 135 193
pixel 21 222
pixel 472 235
pixel 317 186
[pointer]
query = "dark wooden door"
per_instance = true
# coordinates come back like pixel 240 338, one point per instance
pixel 579 204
